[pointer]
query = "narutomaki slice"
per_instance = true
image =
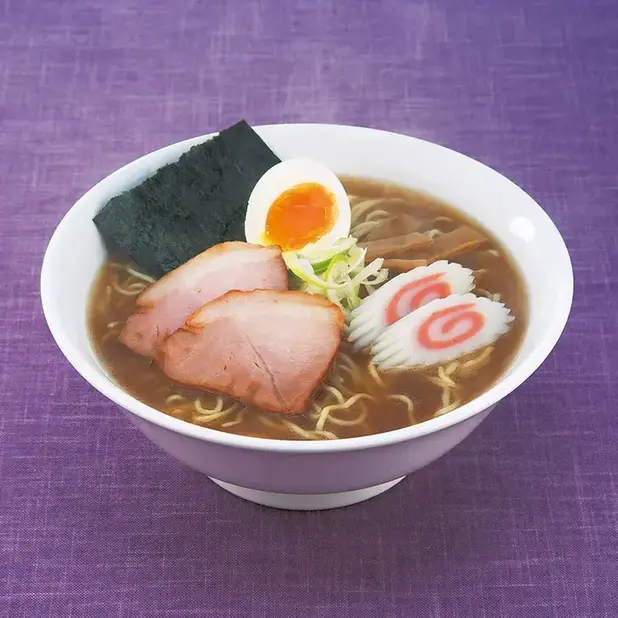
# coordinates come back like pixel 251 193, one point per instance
pixel 266 348
pixel 163 307
pixel 441 331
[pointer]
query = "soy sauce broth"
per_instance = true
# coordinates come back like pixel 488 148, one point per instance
pixel 495 273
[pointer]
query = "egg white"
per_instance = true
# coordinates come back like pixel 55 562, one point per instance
pixel 284 176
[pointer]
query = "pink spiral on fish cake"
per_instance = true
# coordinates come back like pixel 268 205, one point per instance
pixel 445 322
pixel 415 294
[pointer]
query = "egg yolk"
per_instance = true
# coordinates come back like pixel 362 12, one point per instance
pixel 301 215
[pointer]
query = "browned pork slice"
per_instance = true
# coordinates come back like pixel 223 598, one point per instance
pixel 266 348
pixel 165 305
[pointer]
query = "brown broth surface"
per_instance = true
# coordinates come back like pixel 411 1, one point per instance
pixel 495 273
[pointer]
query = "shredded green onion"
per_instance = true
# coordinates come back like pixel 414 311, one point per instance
pixel 337 272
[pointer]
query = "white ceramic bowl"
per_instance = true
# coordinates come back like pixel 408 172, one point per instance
pixel 314 475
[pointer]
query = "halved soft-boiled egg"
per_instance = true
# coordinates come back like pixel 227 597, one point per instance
pixel 295 203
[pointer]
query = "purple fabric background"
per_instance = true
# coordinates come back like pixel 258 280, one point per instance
pixel 519 520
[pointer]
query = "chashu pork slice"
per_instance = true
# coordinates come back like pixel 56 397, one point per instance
pixel 164 306
pixel 266 348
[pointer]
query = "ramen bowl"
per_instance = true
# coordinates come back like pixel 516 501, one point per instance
pixel 309 475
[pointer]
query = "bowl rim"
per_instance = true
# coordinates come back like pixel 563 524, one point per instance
pixel 107 387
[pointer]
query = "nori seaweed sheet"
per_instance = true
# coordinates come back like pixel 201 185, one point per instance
pixel 187 206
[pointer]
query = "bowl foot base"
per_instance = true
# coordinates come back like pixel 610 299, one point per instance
pixel 306 502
